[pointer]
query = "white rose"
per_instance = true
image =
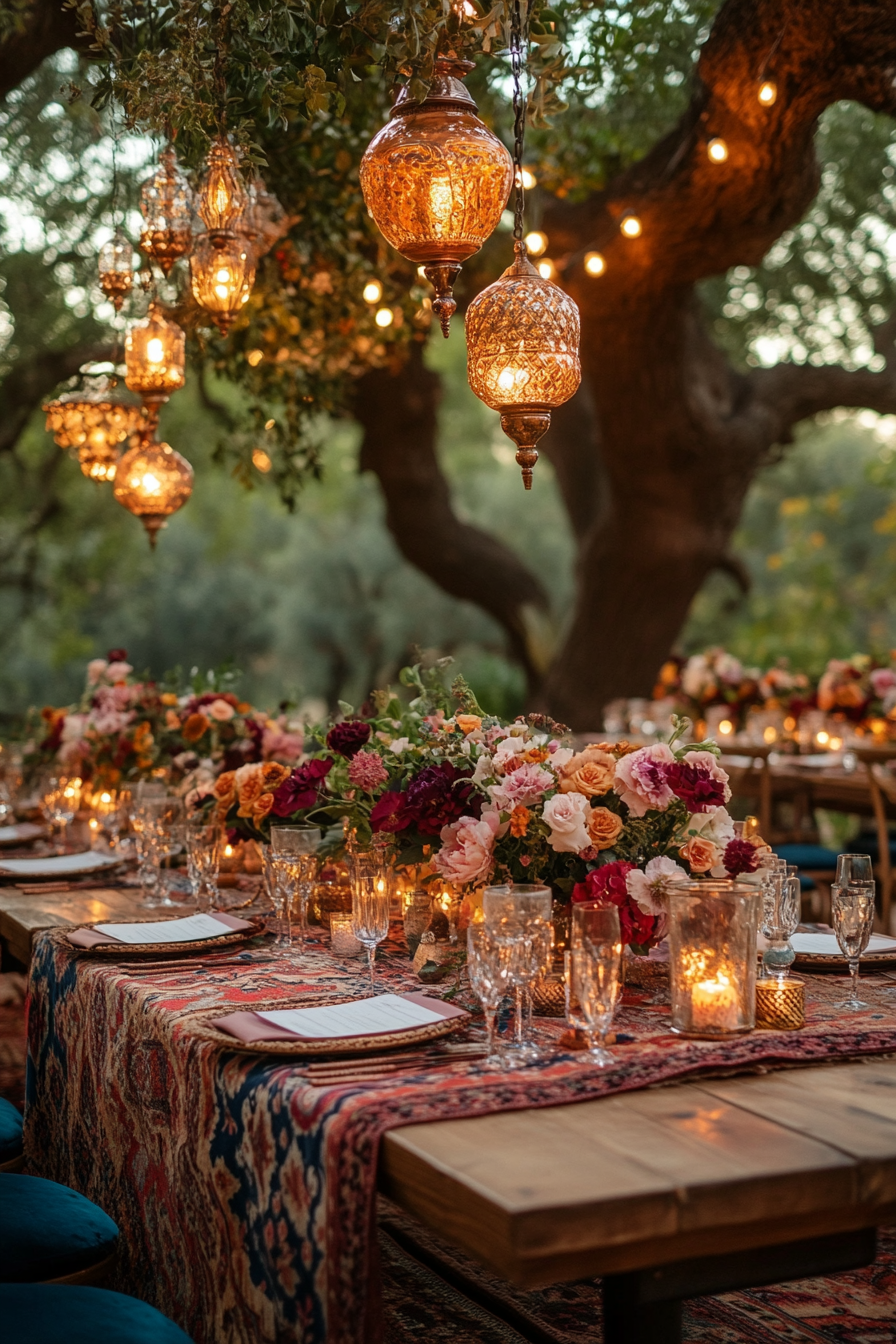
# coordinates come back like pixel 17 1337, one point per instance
pixel 650 889
pixel 566 814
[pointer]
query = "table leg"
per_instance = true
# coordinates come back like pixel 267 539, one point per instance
pixel 644 1306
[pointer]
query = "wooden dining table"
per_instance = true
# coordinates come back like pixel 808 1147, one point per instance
pixel 667 1193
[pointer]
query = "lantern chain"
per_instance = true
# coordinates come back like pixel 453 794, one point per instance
pixel 517 40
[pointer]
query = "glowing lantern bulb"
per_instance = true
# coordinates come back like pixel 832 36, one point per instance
pixel 155 351
pixel 152 482
pixel 768 92
pixel 631 226
pixel 717 150
pixel 594 263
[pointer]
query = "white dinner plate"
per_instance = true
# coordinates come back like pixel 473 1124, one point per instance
pixel 58 865
pixel 22 834
pixel 823 950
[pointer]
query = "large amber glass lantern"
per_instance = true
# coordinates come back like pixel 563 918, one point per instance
pixel 152 482
pixel 264 221
pixel 222 271
pixel 712 956
pixel 222 192
pixel 523 353
pixel 154 357
pixel 92 425
pixel 166 203
pixel 436 180
pixel 116 269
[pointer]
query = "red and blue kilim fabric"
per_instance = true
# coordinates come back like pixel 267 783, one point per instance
pixel 246 1196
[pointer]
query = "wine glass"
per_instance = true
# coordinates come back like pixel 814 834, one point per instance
pixel 780 918
pixel 487 971
pixel 519 917
pixel 294 858
pixel 852 910
pixel 371 896
pixel 596 961
pixel 204 840
pixel 854 870
pixel 147 821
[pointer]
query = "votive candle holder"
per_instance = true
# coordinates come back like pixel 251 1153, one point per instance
pixel 712 944
pixel 343 942
pixel 780 1003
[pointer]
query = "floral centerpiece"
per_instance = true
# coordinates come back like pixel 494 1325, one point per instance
pixel 709 679
pixel 478 800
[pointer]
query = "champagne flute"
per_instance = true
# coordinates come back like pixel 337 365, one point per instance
pixel 487 971
pixel 371 897
pixel 853 915
pixel 596 961
pixel 294 856
pixel 520 919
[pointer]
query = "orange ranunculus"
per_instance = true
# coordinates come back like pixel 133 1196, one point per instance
pixel 195 726
pixel 591 772
pixel 168 698
pixel 701 854
pixel 172 719
pixel 273 775
pixel 262 807
pixel 224 787
pixel 248 788
pixel 242 707
pixel 604 827
pixel 468 723
pixel 519 821
pixel 535 755
pixel 668 674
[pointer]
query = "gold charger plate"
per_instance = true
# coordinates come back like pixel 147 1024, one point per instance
pixel 121 950
pixel 348 1045
pixel 820 961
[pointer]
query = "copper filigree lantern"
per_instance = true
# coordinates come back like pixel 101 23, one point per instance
pixel 222 194
pixel 436 180
pixel 222 271
pixel 92 425
pixel 264 220
pixel 166 203
pixel 154 358
pixel 152 482
pixel 116 269
pixel 523 353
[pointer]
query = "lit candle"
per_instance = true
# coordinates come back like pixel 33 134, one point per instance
pixel 714 1005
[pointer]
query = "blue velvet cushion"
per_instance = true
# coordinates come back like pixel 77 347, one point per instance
pixel 59 1314
pixel 48 1231
pixel 808 856
pixel 10 1131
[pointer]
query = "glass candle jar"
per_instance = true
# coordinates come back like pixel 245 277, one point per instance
pixel 343 942
pixel 712 943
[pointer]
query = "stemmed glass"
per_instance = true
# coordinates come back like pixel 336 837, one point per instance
pixel 371 880
pixel 294 859
pixel 519 918
pixel 62 798
pixel 203 856
pixel 782 901
pixel 487 968
pixel 852 909
pixel 148 820
pixel 596 960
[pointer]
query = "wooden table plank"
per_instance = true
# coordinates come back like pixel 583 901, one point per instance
pixel 24 914
pixel 648 1177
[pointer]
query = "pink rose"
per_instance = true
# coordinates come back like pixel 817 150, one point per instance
pixel 567 816
pixel 118 671
pixel 281 746
pixel 467 848
pixel 221 710
pixel 641 779
pixel 96 669
pixel 882 679
pixel 521 787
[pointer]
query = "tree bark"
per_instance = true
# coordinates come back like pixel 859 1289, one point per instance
pixel 45 27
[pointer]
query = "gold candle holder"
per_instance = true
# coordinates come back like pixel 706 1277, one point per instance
pixel 780 1004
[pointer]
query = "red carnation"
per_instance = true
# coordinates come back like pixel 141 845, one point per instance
pixel 303 788
pixel 607 884
pixel 696 786
pixel 740 857
pixel 117 656
pixel 348 737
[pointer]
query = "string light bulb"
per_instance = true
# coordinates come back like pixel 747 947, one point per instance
pixel 630 226
pixel 717 149
pixel 116 269
pixel 166 204
pixel 373 291
pixel 384 317
pixel 523 353
pixel 222 272
pixel 546 269
pixel 436 180
pixel 530 181
pixel 154 353
pixel 222 193
pixel 768 92
pixel 536 243
pixel 152 482
pixel 595 263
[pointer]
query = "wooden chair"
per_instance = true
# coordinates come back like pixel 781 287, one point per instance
pixel 882 789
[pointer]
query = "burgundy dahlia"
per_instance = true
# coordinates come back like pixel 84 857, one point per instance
pixel 697 787
pixel 348 737
pixel 392 813
pixel 740 857
pixel 302 789
pixel 437 796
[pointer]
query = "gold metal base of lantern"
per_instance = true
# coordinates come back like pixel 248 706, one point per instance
pixel 525 425
pixel 116 285
pixel 442 276
pixel 153 522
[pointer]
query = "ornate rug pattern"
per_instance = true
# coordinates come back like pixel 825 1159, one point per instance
pixel 245 1195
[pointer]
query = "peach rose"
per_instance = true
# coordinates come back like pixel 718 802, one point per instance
pixel 262 807
pixel 273 775
pixel 468 723
pixel 195 726
pixel 221 710
pixel 224 787
pixel 591 772
pixel 172 720
pixel 701 854
pixel 604 827
pixel 248 788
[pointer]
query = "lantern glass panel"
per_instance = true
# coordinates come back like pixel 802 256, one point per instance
pixel 712 948
pixel 116 270
pixel 155 355
pixel 166 203
pixel 222 194
pixel 222 272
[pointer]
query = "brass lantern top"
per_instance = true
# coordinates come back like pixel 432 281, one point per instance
pixel 523 353
pixel 222 271
pixel 436 180
pixel 154 353
pixel 152 482
pixel 166 203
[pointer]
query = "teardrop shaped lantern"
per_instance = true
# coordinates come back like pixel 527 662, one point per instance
pixel 166 203
pixel 222 272
pixel 154 352
pixel 436 180
pixel 91 425
pixel 523 353
pixel 152 482
pixel 222 194
pixel 116 269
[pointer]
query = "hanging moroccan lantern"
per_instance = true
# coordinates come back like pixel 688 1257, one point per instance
pixel 166 203
pixel 264 220
pixel 523 353
pixel 222 193
pixel 436 180
pixel 91 425
pixel 154 358
pixel 116 271
pixel 152 482
pixel 222 272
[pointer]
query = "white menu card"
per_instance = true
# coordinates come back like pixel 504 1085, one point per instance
pixel 826 945
pixel 363 1017
pixel 187 930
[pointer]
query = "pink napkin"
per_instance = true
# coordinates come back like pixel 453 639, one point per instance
pixel 249 1027
pixel 90 937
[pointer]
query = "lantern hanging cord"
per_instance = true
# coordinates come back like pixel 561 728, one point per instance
pixel 517 52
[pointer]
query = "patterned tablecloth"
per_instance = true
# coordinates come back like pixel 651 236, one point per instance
pixel 245 1195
